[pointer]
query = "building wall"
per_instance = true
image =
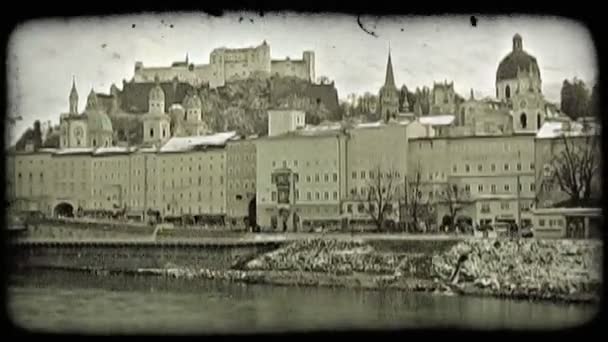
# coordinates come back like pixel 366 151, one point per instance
pixel 283 121
pixel 240 178
pixel 68 137
pixel 192 183
pixel 316 160
pixel 443 99
pixel 523 81
pixel 32 184
pixel 293 68
pixel 111 179
pixel 73 176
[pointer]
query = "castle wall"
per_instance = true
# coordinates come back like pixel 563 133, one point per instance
pixel 295 68
pixel 230 64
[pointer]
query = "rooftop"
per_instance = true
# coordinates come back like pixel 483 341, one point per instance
pixel 437 120
pixel 554 129
pixel 183 144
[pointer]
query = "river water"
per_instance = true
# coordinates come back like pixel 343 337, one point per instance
pixel 58 301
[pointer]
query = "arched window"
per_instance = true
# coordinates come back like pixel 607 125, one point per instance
pixel 538 121
pixel 94 142
pixel 151 132
pixel 508 92
pixel 523 120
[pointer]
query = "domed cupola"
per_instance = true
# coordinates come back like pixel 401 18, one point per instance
pixel 97 120
pixel 518 72
pixel 156 98
pixel 517 61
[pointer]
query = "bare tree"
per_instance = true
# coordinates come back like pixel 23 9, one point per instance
pixel 416 207
pixel 453 198
pixel 574 168
pixel 380 196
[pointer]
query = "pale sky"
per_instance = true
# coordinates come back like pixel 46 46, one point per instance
pixel 45 54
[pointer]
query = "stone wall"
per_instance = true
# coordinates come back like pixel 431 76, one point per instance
pixel 134 256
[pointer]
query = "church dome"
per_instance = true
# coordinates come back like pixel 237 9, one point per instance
pixel 516 60
pixel 192 101
pixel 157 93
pixel 98 121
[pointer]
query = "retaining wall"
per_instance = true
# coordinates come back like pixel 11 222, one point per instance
pixel 132 256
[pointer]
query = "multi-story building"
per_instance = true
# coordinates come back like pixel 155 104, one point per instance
pixel 230 64
pixel 184 176
pixel 319 174
pixel 241 181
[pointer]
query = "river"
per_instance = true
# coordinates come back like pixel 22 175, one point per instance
pixel 60 301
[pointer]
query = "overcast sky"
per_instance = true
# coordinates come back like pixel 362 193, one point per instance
pixel 45 54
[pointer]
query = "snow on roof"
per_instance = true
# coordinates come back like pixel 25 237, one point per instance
pixel 47 150
pixel 580 211
pixel 494 196
pixel 436 120
pixel 182 144
pixel 113 150
pixel 176 106
pixel 74 150
pixel 554 129
pixel 148 149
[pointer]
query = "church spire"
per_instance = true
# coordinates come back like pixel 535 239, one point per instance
pixel 390 78
pixel 472 95
pixel 73 97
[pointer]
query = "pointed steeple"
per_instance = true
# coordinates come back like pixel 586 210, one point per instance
pixel 73 97
pixel 92 100
pixel 472 95
pixel 186 58
pixel 390 78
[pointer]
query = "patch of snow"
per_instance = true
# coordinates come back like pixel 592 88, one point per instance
pixel 554 129
pixel 75 150
pixel 113 149
pixel 180 144
pixel 436 120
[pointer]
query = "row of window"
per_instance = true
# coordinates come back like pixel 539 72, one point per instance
pixel 318 196
pixel 480 168
pixel 493 188
pixel 551 222
pixel 505 205
pixel 372 174
pixel 245 185
pixel 295 163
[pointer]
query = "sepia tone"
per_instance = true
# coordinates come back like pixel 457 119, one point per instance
pixel 234 176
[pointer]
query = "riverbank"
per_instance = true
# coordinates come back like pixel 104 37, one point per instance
pixel 562 270
pixel 553 270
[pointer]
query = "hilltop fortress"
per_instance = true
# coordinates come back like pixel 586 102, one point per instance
pixel 230 64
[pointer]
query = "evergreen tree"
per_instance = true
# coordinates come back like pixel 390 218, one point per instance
pixel 403 104
pixel 567 98
pixel 37 135
pixel 594 102
pixel 574 98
